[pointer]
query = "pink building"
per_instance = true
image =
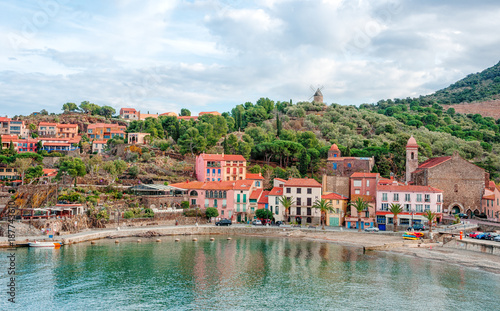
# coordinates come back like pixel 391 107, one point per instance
pixel 490 202
pixel 415 200
pixel 220 167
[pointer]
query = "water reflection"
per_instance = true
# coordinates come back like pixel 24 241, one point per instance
pixel 243 274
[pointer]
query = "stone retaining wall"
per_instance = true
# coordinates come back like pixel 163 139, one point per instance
pixel 476 246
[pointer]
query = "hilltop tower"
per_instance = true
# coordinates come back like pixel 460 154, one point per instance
pixel 411 157
pixel 318 96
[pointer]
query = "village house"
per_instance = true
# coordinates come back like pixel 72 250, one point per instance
pixel 67 130
pixel 463 183
pixel 304 193
pixel 345 166
pixel 4 125
pixel 98 146
pixel 47 129
pixel 105 131
pixel 414 200
pixel 339 205
pixel 491 201
pixel 364 186
pixel 144 116
pixel 220 167
pixel 8 173
pixel 64 145
pixel 129 114
pixel 242 190
pixel 17 127
pixel 168 114
pixel 137 138
pixel 253 204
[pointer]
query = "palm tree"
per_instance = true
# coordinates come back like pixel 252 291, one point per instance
pixel 286 202
pixel 430 217
pixel 360 205
pixel 324 206
pixel 396 209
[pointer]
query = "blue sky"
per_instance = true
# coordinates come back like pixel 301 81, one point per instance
pixel 161 56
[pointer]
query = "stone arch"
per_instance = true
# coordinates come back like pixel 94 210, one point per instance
pixel 308 220
pixel 455 205
pixel 152 206
pixel 476 212
pixel 193 193
pixel 469 213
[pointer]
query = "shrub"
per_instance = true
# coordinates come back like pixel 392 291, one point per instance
pixel 128 215
pixel 185 204
pixel 211 212
pixel 149 212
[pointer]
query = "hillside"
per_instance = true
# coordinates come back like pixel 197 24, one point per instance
pixel 480 86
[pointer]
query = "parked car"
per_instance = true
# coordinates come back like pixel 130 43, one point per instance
pixel 257 222
pixel 417 227
pixel 371 229
pixel 279 223
pixel 224 222
pixel 497 238
pixel 481 236
pixel 462 215
pixel 474 234
pixel 490 235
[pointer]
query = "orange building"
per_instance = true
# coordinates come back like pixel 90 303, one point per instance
pixel 105 131
pixel 67 130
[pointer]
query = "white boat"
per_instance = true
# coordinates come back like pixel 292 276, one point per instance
pixel 44 244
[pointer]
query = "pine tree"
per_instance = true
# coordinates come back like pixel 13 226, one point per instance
pixel 278 125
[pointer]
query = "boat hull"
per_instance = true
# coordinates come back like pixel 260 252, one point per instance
pixel 45 244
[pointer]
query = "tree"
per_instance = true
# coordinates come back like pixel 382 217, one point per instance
pixel 324 206
pixel 21 165
pixel 185 112
pixel 430 216
pixel 395 209
pixel 211 212
pixel 192 142
pixel 74 167
pixel 107 111
pixel 263 213
pixel 360 205
pixel 69 107
pixel 34 172
pixel 287 202
pixel 133 171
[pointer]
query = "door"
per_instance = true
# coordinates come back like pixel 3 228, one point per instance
pixel 381 227
pixel 334 222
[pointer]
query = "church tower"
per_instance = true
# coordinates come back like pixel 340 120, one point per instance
pixel 411 157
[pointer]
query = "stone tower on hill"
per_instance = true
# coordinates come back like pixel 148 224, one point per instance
pixel 318 96
pixel 411 157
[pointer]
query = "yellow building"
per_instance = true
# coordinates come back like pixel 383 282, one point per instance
pixel 339 204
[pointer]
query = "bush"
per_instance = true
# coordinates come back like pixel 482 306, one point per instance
pixel 211 212
pixel 194 213
pixel 149 212
pixel 185 204
pixel 128 215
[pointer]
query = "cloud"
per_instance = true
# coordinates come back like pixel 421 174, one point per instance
pixel 212 55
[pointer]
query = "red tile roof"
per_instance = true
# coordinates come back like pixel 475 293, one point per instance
pixel 302 182
pixel 128 109
pixel 365 175
pixel 279 179
pixel 99 142
pixel 433 162
pixel 254 176
pixel 255 195
pixel 264 199
pixel 276 191
pixel 408 188
pixel 4 119
pixel 57 144
pixel 209 185
pixel 242 184
pixel 222 157
pixel 333 196
pixel 215 113
pixel 187 117
pixel 334 147
pixel 67 125
pixel 489 197
pixel 47 124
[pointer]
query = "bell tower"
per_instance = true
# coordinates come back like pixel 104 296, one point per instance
pixel 411 157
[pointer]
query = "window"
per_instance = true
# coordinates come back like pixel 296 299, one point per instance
pixel 390 221
pixel 384 196
pixel 299 201
pixel 367 192
pixel 288 190
pixel 309 201
pixel 218 172
pixel 407 197
pixel 407 208
pixel 208 171
pixel 404 221
pixel 309 211
pixel 368 183
pixel 385 206
pixel 381 219
pixel 299 190
pixel 349 164
pixel 277 210
pixel 419 197
pixel 244 198
pixel 238 197
pixel 213 171
pixel 299 211
pixel 427 198
pixel 224 203
pixel 356 191
pixel 228 170
pixel 420 208
pixel 309 191
pixel 439 198
pixel 427 207
pixel 396 197
pixel 206 203
pixel 215 203
pixel 357 183
pixel 276 200
pixel 334 166
pixel 257 184
pixel 439 209
pixel 335 155
pixel 241 170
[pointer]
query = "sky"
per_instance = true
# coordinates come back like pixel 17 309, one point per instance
pixel 160 56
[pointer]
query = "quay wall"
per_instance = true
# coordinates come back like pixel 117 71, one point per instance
pixel 488 247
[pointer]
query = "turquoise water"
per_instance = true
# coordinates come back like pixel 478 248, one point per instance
pixel 244 273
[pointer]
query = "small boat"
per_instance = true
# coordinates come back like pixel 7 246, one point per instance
pixel 45 244
pixel 417 234
pixel 412 235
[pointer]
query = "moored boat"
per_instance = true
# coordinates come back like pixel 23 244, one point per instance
pixel 412 235
pixel 45 244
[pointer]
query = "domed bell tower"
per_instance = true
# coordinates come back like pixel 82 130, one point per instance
pixel 411 157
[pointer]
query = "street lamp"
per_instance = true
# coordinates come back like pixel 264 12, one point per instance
pixel 412 212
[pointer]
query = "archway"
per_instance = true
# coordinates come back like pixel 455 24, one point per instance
pixel 453 207
pixel 308 220
pixel 469 213
pixel 298 220
pixel 455 210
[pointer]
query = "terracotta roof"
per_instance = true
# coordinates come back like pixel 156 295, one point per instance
pixel 433 162
pixel 242 184
pixel 280 179
pixel 302 182
pixel 333 196
pixel 49 171
pixel 47 124
pixel 3 119
pixel 254 176
pixel 489 197
pixel 408 188
pixel 170 114
pixel 255 195
pixel 187 117
pixel 128 109
pixel 365 175
pixel 222 157
pixel 209 185
pixel 57 144
pixel 67 125
pixel 215 113
pixel 412 142
pixel 99 142
pixel 276 191
pixel 334 147
pixel 118 131
pixel 264 199
pixel 105 125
